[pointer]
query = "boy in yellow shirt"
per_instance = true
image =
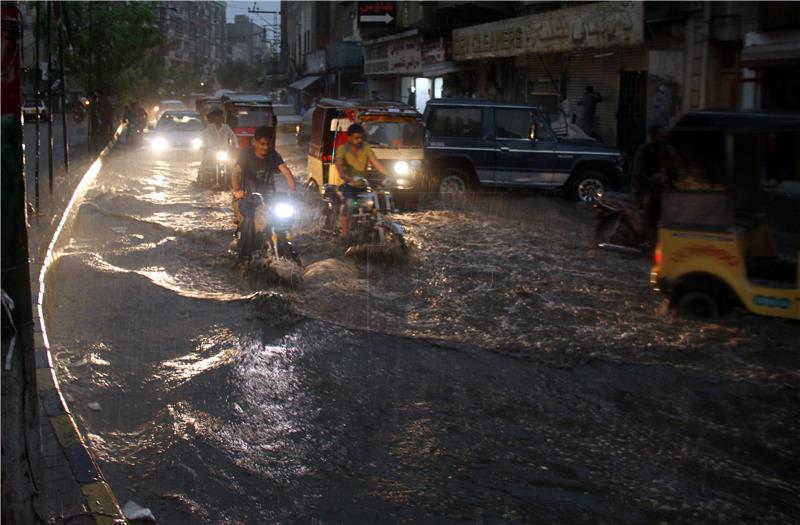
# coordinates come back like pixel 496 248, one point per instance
pixel 352 160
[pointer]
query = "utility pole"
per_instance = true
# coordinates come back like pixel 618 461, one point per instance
pixel 20 404
pixel 50 95
pixel 38 96
pixel 61 7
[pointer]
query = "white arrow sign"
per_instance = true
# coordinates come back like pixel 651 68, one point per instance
pixel 385 18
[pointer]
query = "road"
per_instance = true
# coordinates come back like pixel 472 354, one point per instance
pixel 506 373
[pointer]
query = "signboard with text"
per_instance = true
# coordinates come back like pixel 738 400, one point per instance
pixel 377 14
pixel 598 25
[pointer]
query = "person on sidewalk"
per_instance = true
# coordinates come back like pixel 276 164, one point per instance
pixel 588 116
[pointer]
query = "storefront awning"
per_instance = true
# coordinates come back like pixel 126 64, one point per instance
pixel 771 54
pixel 303 83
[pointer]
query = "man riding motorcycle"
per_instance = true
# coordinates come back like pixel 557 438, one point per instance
pixel 254 172
pixel 217 136
pixel 352 161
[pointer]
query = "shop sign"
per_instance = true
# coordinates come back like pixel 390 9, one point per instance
pixel 377 14
pixel 405 56
pixel 597 25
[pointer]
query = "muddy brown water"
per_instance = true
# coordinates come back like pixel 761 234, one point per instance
pixel 506 372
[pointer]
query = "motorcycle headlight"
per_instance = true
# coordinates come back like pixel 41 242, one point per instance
pixel 197 143
pixel 155 109
pixel 284 211
pixel 401 167
pixel 222 156
pixel 160 144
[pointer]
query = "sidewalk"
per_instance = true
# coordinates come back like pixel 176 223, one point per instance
pixel 71 488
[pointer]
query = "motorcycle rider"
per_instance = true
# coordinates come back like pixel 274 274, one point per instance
pixel 254 172
pixel 216 137
pixel 352 160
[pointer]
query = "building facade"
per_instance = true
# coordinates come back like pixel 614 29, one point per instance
pixel 246 41
pixel 195 34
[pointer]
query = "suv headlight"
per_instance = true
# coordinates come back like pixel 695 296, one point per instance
pixel 401 167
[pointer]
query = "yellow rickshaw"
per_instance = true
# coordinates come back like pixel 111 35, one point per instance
pixel 393 130
pixel 729 224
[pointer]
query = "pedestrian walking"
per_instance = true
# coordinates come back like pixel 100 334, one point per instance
pixel 588 116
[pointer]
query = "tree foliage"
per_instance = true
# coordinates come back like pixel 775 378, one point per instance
pixel 114 47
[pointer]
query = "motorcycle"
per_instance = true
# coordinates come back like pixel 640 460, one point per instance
pixel 369 221
pixel 217 176
pixel 273 244
pixel 621 224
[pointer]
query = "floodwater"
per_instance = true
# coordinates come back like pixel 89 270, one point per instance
pixel 506 372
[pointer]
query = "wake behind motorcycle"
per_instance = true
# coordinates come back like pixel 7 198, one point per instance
pixel 272 245
pixel 369 221
pixel 621 224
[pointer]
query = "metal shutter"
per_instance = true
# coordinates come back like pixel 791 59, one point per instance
pixel 600 68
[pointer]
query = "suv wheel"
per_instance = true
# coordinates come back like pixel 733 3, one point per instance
pixel 453 182
pixel 587 185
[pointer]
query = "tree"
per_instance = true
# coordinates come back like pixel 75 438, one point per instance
pixel 114 47
pixel 239 74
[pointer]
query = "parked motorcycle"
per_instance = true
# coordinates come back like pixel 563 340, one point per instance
pixel 274 244
pixel 370 222
pixel 621 224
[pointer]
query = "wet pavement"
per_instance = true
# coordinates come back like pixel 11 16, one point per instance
pixel 506 372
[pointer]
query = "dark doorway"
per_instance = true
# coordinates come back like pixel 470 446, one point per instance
pixel 632 112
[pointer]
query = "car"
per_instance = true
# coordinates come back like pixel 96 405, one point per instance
pixel 166 105
pixel 177 130
pixel 288 119
pixel 29 109
pixel 472 143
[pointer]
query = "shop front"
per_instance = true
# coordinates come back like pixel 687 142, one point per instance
pixel 549 59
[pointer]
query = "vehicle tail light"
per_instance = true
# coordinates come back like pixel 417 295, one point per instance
pixel 657 255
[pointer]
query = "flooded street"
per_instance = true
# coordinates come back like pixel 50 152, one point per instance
pixel 506 372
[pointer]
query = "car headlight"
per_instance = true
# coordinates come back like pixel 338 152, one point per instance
pixel 222 156
pixel 401 167
pixel 284 210
pixel 160 144
pixel 197 143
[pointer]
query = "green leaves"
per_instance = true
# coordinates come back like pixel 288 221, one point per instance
pixel 113 47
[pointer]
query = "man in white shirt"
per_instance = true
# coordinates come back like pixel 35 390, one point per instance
pixel 216 137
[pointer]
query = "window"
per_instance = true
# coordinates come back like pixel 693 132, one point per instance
pixel 457 122
pixel 513 123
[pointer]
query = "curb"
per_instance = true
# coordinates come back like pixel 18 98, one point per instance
pixel 100 499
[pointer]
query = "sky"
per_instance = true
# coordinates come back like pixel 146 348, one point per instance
pixel 240 8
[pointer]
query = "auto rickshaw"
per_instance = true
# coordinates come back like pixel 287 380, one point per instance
pixel 205 104
pixel 393 130
pixel 736 196
pixel 245 113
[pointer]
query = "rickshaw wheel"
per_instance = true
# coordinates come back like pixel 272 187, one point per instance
pixel 702 304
